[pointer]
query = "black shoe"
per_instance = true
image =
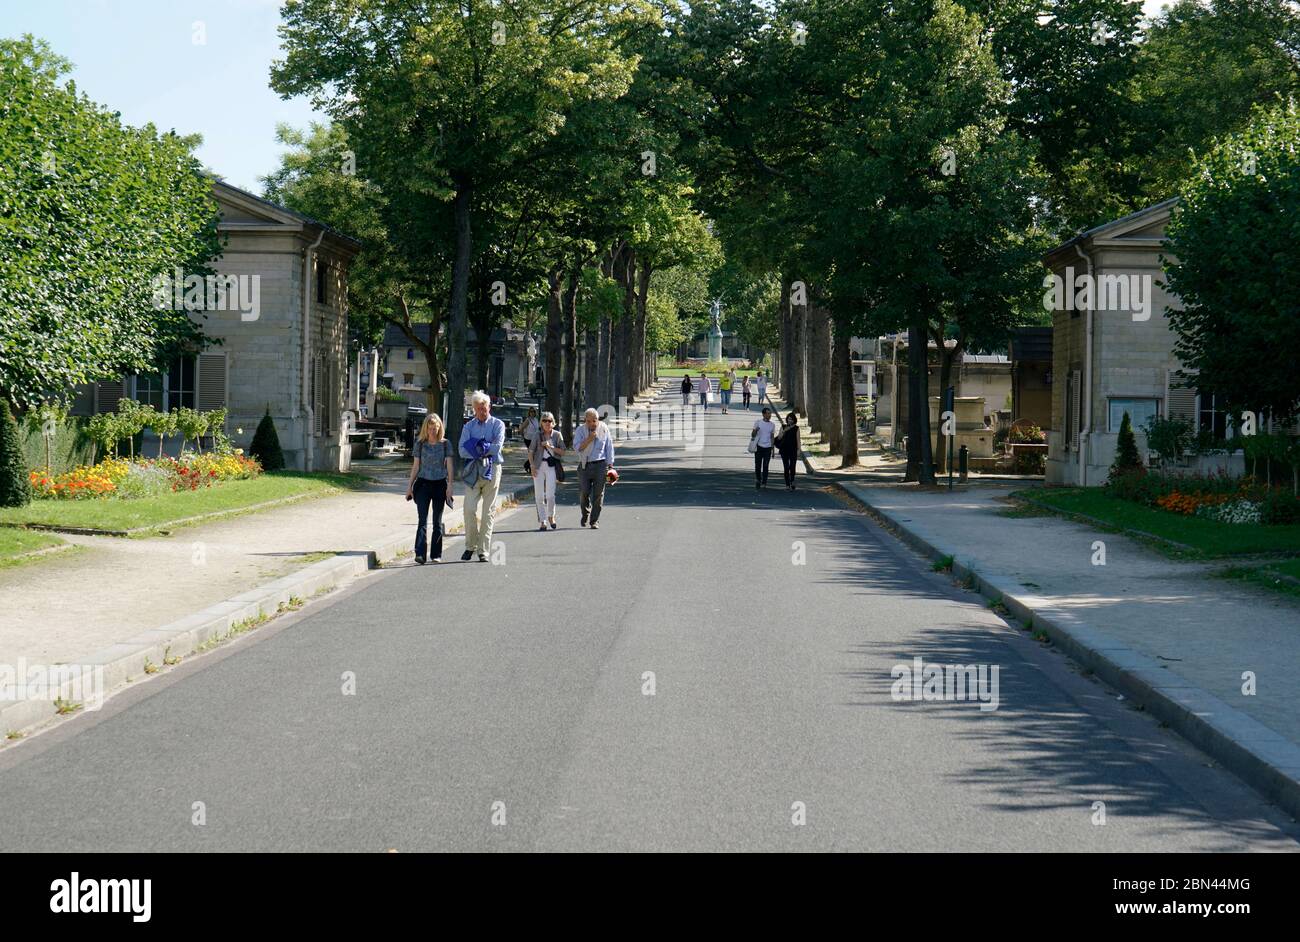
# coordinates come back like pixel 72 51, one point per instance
pixel 482 557
pixel 584 522
pixel 419 560
pixel 466 556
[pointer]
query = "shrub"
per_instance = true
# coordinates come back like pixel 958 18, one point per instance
pixel 266 445
pixel 15 487
pixel 191 424
pixel 1279 507
pixel 1126 451
pixel 96 481
pixel 1169 438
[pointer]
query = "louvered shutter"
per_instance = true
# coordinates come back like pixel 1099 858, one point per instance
pixel 1180 397
pixel 108 392
pixel 212 382
pixel 317 385
pixel 1075 415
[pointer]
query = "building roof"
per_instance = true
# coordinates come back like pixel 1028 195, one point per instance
pixel 1134 220
pixel 229 189
pixel 1031 343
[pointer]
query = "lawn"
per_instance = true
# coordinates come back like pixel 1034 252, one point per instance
pixel 116 514
pixel 678 371
pixel 15 543
pixel 1207 539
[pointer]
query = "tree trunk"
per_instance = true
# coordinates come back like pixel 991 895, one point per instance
pixel 819 379
pixel 570 351
pixel 797 396
pixel 947 358
pixel 848 401
pixel 834 411
pixel 554 329
pixel 919 465
pixel 456 345
pixel 591 366
pixel 638 332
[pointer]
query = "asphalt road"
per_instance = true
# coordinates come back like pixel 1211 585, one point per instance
pixel 507 707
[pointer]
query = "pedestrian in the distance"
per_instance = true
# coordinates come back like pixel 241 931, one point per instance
pixel 686 390
pixel 528 432
pixel 787 443
pixel 764 432
pixel 745 391
pixel 480 446
pixel 762 387
pixel 594 446
pixel 705 388
pixel 430 486
pixel 544 456
pixel 724 387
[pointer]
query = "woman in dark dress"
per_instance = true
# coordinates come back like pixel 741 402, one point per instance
pixel 787 444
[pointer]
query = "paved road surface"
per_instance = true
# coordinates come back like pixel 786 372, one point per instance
pixel 522 684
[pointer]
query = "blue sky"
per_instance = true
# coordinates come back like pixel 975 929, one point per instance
pixel 139 57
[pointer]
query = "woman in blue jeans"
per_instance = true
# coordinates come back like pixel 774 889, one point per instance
pixel 430 485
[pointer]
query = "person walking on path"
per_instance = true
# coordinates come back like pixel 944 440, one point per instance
pixel 528 431
pixel 481 441
pixel 762 387
pixel 763 434
pixel 705 389
pixel 430 485
pixel 595 448
pixel 544 456
pixel 724 387
pixel 787 443
pixel 686 390
pixel 745 392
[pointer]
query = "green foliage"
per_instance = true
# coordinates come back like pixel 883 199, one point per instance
pixel 1236 273
pixel 92 211
pixel 191 424
pixel 15 486
pixel 1127 459
pixel 1169 438
pixel 265 446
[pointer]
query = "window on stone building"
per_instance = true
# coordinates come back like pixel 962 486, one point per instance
pixel 1140 412
pixel 1210 414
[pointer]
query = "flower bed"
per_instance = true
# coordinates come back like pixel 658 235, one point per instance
pixel 1212 497
pixel 117 477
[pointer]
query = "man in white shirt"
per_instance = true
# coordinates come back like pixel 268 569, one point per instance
pixel 764 430
pixel 595 449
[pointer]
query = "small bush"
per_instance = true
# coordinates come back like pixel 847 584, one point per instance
pixel 266 445
pixel 145 480
pixel 15 488
pixel 1126 451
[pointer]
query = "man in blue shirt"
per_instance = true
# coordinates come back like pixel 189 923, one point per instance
pixel 594 446
pixel 481 441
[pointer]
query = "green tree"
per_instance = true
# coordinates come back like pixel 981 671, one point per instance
pixel 1232 264
pixel 93 211
pixel 15 484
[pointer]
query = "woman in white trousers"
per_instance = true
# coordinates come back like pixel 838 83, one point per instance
pixel 543 453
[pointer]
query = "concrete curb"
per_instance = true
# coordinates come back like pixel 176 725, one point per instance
pixel 185 636
pixel 1250 750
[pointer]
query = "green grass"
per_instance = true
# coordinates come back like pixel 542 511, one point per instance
pixel 15 543
pixel 157 512
pixel 1281 576
pixel 1206 539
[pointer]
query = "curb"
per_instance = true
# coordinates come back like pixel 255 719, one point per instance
pixel 1250 750
pixel 127 659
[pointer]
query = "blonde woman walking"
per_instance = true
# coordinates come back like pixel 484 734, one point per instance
pixel 430 485
pixel 544 456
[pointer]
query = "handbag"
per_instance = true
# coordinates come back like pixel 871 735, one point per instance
pixel 753 445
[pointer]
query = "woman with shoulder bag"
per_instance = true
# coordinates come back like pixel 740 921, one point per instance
pixel 430 484
pixel 544 456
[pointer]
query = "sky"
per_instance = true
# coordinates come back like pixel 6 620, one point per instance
pixel 141 58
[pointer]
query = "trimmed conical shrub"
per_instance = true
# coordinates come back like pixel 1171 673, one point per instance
pixel 266 445
pixel 15 485
pixel 1126 450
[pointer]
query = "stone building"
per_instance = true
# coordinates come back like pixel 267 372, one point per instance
pixel 1113 349
pixel 288 354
